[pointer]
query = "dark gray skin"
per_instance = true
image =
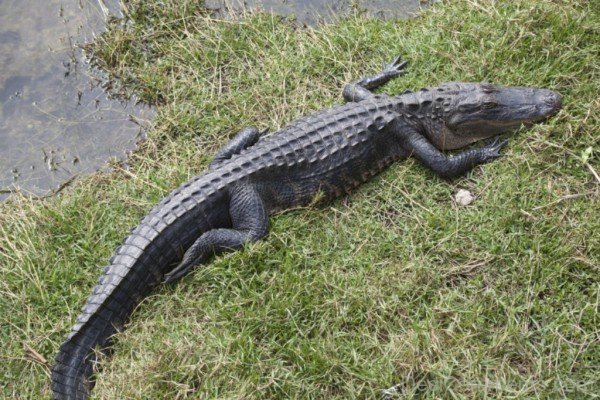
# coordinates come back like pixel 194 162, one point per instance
pixel 324 156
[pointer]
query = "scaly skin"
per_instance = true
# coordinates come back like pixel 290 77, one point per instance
pixel 324 156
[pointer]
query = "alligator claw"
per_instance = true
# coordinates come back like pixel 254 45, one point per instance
pixel 396 67
pixel 178 272
pixel 493 149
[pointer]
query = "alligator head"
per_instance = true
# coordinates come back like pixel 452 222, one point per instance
pixel 468 112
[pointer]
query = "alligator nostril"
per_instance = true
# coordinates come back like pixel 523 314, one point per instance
pixel 557 100
pixel 553 100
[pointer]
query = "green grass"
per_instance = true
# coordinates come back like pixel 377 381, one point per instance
pixel 393 288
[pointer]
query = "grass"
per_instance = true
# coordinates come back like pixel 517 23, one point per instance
pixel 394 291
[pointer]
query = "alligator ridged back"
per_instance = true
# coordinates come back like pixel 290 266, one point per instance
pixel 315 137
pixel 326 154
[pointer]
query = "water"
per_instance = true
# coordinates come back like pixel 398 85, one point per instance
pixel 311 12
pixel 56 121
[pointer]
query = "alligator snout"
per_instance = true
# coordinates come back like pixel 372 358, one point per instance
pixel 552 101
pixel 546 103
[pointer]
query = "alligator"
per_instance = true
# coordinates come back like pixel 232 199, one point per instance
pixel 311 161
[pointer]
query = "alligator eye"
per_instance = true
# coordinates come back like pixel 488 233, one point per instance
pixel 489 104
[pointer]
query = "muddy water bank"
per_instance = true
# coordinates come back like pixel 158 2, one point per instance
pixel 56 121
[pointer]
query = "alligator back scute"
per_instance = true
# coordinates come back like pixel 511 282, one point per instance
pixel 324 132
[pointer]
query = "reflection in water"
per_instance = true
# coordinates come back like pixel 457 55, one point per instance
pixel 55 120
pixel 312 11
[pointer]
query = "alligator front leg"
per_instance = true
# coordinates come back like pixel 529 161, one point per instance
pixel 250 223
pixel 361 89
pixel 244 139
pixel 446 167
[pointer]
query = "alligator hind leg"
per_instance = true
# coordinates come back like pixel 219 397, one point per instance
pixel 246 138
pixel 250 223
pixel 361 89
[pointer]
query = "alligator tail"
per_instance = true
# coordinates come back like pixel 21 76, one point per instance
pixel 105 313
pixel 137 267
pixel 74 367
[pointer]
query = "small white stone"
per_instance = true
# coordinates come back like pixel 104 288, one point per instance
pixel 463 197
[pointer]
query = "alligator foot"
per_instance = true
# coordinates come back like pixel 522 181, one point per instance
pixel 491 151
pixel 361 89
pixel 181 270
pixel 246 138
pixel 209 244
pixel 395 68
